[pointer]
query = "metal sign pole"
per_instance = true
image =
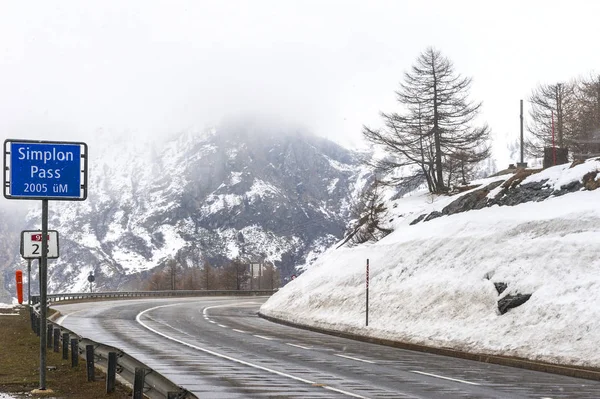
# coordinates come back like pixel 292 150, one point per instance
pixel 29 282
pixel 43 290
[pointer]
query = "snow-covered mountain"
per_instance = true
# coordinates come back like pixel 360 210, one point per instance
pixel 243 189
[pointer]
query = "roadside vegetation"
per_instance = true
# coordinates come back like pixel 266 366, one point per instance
pixel 20 360
pixel 235 275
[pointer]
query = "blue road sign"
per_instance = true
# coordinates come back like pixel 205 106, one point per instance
pixel 45 170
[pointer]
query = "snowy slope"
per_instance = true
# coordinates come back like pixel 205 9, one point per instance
pixel 433 283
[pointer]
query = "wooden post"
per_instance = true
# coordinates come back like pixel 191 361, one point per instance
pixel 65 346
pixel 111 372
pixel 89 360
pixel 74 352
pixel 49 335
pixel 138 383
pixel 36 328
pixel 56 339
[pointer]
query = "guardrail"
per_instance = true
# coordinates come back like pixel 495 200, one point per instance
pixel 75 296
pixel 155 385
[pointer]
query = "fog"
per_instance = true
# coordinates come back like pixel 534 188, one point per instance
pixel 69 70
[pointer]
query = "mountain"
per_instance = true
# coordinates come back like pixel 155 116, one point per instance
pixel 10 221
pixel 245 189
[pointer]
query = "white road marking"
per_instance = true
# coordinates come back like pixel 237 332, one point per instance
pixel 214 322
pixel 444 378
pixel 221 325
pixel 355 358
pixel 240 331
pixel 299 346
pixel 239 361
pixel 263 337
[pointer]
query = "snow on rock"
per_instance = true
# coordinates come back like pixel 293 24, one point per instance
pixel 561 175
pixel 433 283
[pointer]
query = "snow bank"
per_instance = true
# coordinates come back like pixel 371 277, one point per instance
pixel 432 283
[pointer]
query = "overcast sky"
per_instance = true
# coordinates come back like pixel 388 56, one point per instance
pixel 71 69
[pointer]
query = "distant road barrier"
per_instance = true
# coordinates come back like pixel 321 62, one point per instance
pixel 78 296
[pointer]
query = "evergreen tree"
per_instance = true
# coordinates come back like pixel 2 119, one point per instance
pixel 435 129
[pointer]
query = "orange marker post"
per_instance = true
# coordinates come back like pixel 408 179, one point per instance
pixel 19 275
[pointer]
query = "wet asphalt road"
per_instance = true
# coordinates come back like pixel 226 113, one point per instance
pixel 220 348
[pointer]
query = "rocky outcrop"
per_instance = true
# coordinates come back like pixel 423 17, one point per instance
pixel 512 192
pixel 512 301
pixel 475 200
pixel 509 301
pixel 590 181
pixel 500 287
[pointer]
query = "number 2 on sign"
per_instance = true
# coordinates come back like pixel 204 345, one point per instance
pixel 36 250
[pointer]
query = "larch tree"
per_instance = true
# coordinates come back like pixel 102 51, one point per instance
pixel 208 278
pixel 368 213
pixel 588 113
pixel 436 131
pixel 552 104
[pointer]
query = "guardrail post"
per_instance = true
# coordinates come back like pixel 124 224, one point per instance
pixel 89 360
pixel 37 325
pixel 56 339
pixel 111 372
pixel 49 335
pixel 138 383
pixel 74 352
pixel 65 346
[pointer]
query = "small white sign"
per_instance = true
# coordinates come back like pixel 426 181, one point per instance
pixel 31 244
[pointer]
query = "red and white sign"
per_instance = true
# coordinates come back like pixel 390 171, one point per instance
pixel 31 244
pixel 38 237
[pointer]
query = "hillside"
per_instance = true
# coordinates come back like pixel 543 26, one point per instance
pixel 245 189
pixel 437 282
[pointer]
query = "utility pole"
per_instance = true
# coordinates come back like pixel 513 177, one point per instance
pixel 522 164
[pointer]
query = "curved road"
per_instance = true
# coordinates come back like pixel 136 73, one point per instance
pixel 219 348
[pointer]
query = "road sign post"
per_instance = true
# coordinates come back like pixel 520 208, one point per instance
pixel 29 284
pixel 91 279
pixel 45 170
